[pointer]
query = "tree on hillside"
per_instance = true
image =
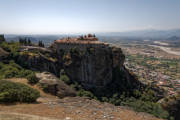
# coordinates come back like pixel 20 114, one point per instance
pixel 23 41
pixel 40 44
pixel 2 39
pixel 29 41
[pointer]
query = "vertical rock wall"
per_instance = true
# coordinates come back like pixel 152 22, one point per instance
pixel 93 66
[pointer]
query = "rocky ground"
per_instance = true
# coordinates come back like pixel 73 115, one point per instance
pixel 18 116
pixel 70 108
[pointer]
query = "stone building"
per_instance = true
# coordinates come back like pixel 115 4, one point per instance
pixel 82 43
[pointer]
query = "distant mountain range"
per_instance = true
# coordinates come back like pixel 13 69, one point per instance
pixel 167 35
pixel 145 33
pixel 173 38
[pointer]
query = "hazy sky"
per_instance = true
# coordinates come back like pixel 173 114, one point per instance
pixel 80 16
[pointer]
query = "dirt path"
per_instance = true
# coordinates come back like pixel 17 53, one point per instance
pixel 18 116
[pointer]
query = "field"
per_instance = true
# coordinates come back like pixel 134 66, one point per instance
pixel 154 65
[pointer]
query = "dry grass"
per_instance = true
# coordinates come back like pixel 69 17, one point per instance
pixel 17 116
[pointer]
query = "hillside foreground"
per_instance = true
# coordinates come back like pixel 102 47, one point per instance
pixel 49 107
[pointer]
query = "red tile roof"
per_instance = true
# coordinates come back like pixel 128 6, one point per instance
pixel 87 40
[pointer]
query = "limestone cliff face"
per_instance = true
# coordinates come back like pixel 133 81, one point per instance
pixel 38 59
pixel 117 57
pixel 92 67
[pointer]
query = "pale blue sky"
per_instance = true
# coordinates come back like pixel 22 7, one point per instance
pixel 81 16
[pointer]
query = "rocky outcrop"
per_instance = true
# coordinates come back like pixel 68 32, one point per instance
pixel 55 86
pixel 40 59
pixel 92 67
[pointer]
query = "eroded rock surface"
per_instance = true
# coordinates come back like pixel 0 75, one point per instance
pixel 92 67
pixel 38 58
pixel 50 83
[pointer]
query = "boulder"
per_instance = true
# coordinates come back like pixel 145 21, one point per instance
pixel 51 84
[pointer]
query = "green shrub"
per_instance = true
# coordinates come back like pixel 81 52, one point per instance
pixel 2 39
pixel 12 69
pixel 32 79
pixel 83 93
pixel 24 73
pixel 76 86
pixel 146 106
pixel 17 92
pixel 44 87
pixel 12 47
pixel 64 77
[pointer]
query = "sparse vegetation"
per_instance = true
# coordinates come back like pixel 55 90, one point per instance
pixel 40 44
pixel 64 77
pixel 2 38
pixel 11 69
pixel 32 79
pixel 12 47
pixel 17 92
pixel 147 106
pixel 25 41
